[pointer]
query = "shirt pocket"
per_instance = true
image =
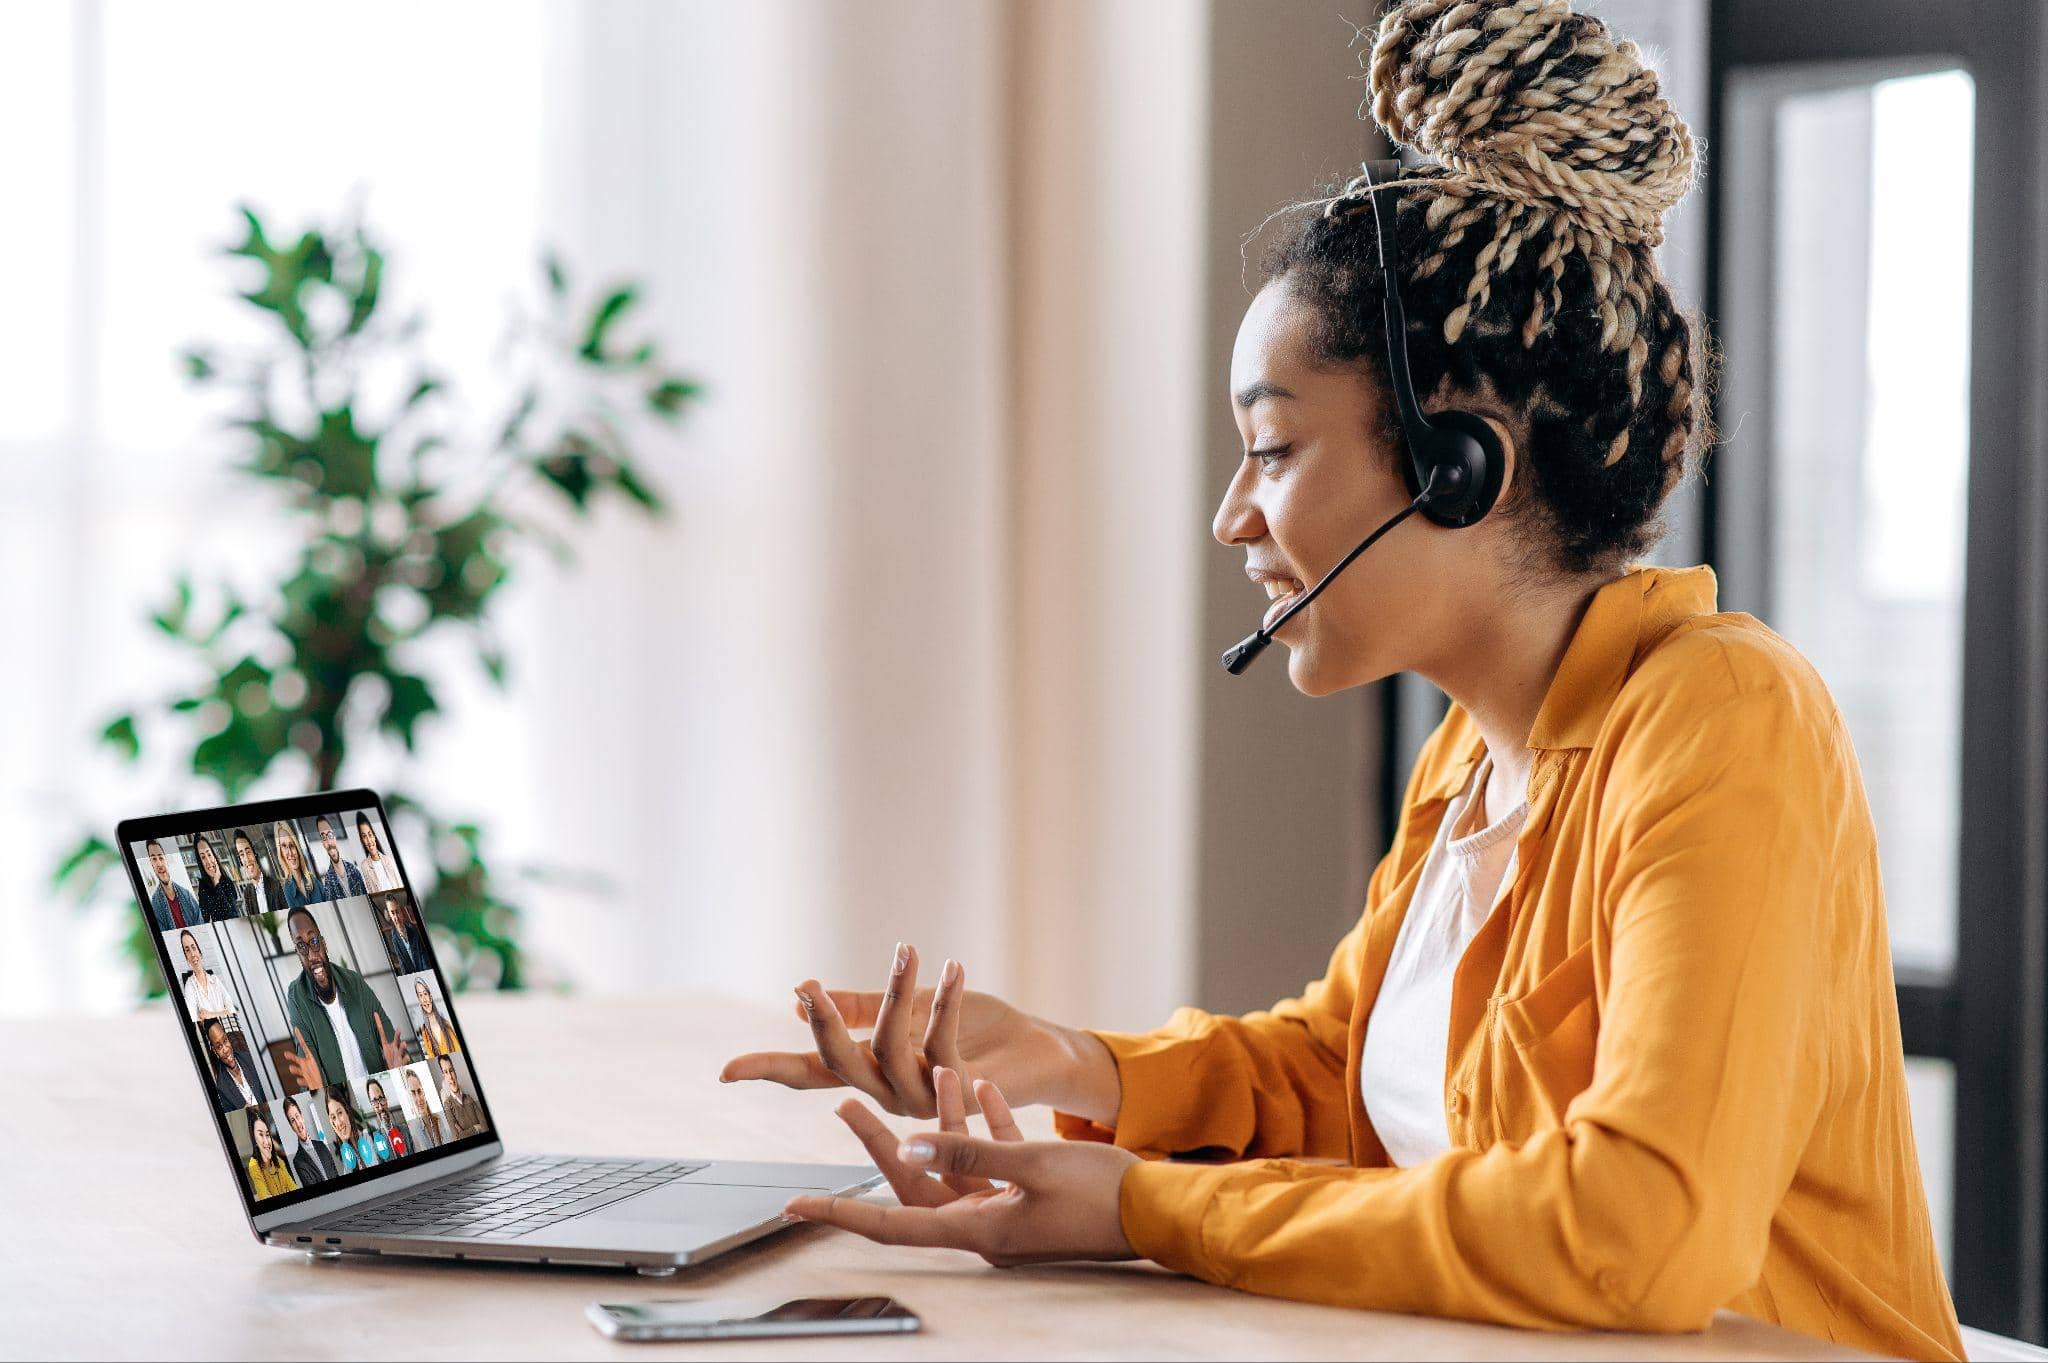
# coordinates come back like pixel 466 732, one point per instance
pixel 1543 1044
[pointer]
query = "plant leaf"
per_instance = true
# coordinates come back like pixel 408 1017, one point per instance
pixel 629 483
pixel 121 736
pixel 668 397
pixel 570 473
pixel 368 291
pixel 92 858
pixel 608 312
pixel 411 701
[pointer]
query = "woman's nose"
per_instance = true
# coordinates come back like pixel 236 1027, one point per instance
pixel 1238 520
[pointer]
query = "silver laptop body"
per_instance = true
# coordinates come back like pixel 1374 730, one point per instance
pixel 467 1199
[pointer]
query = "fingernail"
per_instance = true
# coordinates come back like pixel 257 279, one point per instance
pixel 916 1152
pixel 951 974
pixel 805 1000
pixel 902 955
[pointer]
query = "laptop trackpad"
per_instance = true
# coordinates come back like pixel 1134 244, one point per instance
pixel 676 1203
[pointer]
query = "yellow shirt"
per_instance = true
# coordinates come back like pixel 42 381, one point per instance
pixel 270 1182
pixel 1674 1081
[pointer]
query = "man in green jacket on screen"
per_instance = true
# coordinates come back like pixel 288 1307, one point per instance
pixel 340 1030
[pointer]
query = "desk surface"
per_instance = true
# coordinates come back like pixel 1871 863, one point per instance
pixel 125 1238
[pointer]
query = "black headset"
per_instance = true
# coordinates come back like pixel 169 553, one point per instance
pixel 1454 463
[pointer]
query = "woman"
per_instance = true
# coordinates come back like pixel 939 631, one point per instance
pixel 428 1133
pixel 206 994
pixel 300 884
pixel 437 1038
pixel 236 1084
pixel 379 871
pixel 269 1175
pixel 351 1136
pixel 216 888
pixel 1615 1043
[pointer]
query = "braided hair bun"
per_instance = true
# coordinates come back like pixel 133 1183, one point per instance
pixel 1535 104
pixel 1527 258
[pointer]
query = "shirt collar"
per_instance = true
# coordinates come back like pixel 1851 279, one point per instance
pixel 1622 621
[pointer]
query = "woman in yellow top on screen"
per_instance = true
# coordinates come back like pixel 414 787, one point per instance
pixel 269 1175
pixel 437 1038
pixel 1615 1043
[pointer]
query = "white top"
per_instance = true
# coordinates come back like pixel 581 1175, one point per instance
pixel 1401 1073
pixel 378 874
pixel 263 904
pixel 212 997
pixel 344 1039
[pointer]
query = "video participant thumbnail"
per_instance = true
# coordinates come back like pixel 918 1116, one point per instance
pixel 313 1157
pixel 341 1028
pixel 387 1127
pixel 261 1153
pixel 423 1117
pixel 458 1096
pixel 405 937
pixel 429 1015
pixel 238 1081
pixel 358 1145
pixel 202 984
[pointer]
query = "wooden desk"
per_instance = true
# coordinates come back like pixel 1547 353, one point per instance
pixel 125 1238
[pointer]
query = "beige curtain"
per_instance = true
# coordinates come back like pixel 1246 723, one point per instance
pixel 915 656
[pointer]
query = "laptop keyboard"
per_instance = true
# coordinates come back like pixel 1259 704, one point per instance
pixel 512 1197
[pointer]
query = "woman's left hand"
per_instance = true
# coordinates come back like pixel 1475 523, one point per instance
pixel 1061 1199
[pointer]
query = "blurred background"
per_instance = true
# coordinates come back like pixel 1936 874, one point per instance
pixel 929 308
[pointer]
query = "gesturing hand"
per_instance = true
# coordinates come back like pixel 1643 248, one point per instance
pixel 916 1031
pixel 393 1049
pixel 1060 1202
pixel 301 1065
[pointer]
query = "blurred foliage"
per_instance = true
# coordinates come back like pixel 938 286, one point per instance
pixel 414 514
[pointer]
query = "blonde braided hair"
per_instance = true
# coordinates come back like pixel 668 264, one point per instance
pixel 1528 250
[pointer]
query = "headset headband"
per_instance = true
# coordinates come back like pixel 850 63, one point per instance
pixel 1413 424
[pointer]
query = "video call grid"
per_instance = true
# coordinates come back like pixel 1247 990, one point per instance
pixel 302 964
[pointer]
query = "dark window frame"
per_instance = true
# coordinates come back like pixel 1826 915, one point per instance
pixel 1987 1017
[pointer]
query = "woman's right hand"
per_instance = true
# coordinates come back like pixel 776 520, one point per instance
pixel 976 1035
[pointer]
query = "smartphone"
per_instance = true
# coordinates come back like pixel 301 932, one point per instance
pixel 751 1318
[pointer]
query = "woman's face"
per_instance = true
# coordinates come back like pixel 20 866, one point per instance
pixel 208 863
pixel 337 1117
pixel 1322 480
pixel 367 835
pixel 288 855
pixel 245 852
pixel 265 1140
pixel 192 956
pixel 419 991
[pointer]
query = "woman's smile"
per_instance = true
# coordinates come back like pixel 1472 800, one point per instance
pixel 1281 590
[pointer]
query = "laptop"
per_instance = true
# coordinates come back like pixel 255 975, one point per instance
pixel 349 1102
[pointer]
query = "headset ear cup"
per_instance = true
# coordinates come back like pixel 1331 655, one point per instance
pixel 1464 439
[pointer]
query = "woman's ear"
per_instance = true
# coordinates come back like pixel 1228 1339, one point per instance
pixel 1508 451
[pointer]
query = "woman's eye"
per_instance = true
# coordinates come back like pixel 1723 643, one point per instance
pixel 1269 457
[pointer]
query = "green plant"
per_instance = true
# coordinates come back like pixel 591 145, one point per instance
pixel 410 531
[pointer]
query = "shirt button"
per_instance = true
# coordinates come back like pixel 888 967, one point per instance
pixel 1458 1102
pixel 1608 1281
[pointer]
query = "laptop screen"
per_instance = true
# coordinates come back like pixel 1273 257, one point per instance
pixel 300 968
